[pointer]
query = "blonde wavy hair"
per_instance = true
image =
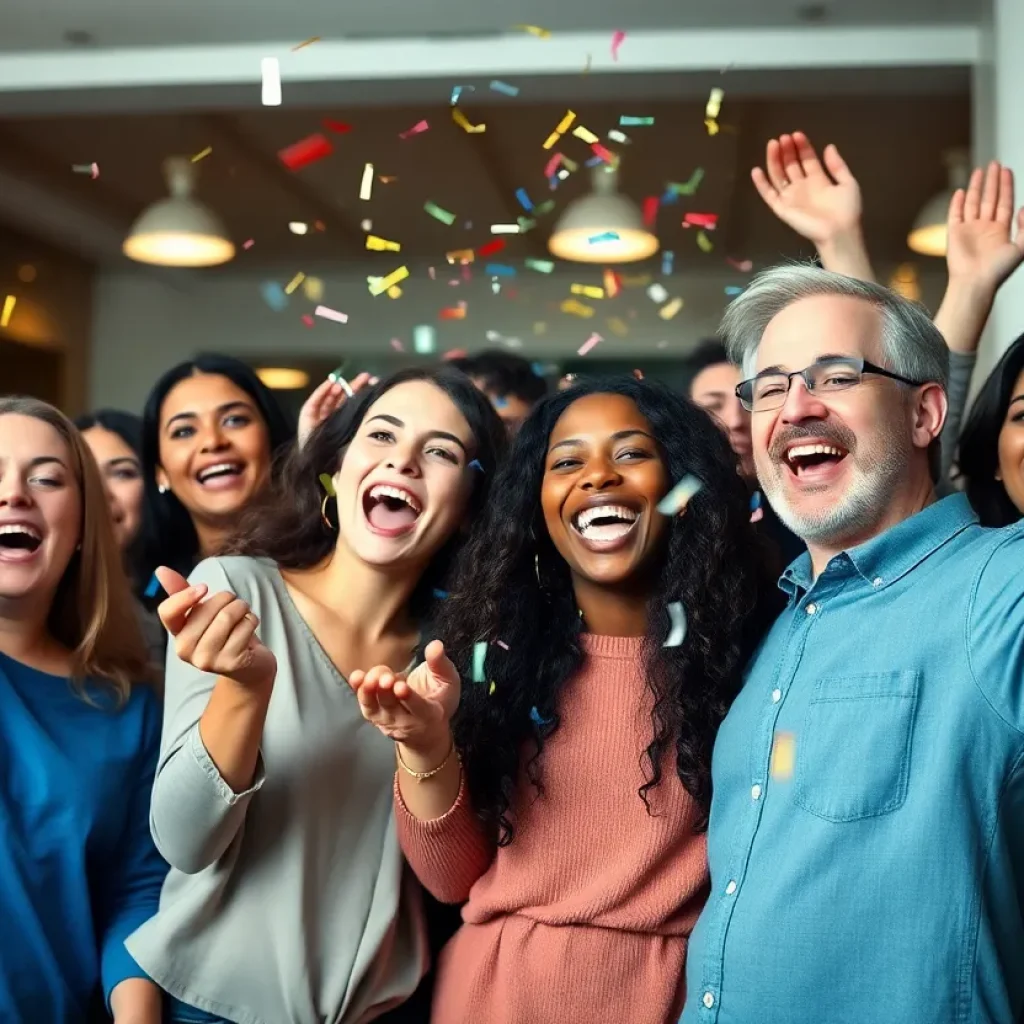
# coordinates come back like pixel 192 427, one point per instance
pixel 94 611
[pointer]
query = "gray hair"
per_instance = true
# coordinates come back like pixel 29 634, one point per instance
pixel 912 345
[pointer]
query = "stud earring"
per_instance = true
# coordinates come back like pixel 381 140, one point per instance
pixel 162 488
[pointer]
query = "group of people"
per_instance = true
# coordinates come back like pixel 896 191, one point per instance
pixel 703 708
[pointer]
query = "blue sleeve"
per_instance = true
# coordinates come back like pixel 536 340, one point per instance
pixel 131 892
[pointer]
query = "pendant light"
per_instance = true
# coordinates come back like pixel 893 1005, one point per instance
pixel 179 231
pixel 928 235
pixel 603 227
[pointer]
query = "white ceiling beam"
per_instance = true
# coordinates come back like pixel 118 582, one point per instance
pixel 385 60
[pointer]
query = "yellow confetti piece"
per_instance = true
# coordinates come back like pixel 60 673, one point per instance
pixel 294 283
pixel 670 309
pixel 463 122
pixel 492 689
pixel 636 281
pixel 783 762
pixel 202 154
pixel 705 243
pixel 714 104
pixel 588 290
pixel 394 292
pixel 712 126
pixel 534 30
pixel 563 125
pixel 378 244
pixel 551 140
pixel 366 185
pixel 305 43
pixel 585 134
pixel 460 256
pixel 313 289
pixel 8 311
pixel 381 285
pixel 576 308
pixel 618 326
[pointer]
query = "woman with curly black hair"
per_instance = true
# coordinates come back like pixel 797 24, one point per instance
pixel 597 644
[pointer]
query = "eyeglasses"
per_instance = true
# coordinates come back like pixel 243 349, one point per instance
pixel 768 391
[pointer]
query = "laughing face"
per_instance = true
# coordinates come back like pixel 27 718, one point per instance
pixel 831 464
pixel 603 479
pixel 214 447
pixel 40 509
pixel 404 480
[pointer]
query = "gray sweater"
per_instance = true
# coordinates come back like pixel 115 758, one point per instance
pixel 288 903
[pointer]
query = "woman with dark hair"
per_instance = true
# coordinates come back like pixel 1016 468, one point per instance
pixel 992 443
pixel 78 738
pixel 210 432
pixel 599 644
pixel 287 898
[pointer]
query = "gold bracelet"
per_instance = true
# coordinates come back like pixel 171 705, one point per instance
pixel 421 776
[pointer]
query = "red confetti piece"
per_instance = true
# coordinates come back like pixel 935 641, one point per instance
pixel 338 127
pixel 605 154
pixel 419 126
pixel 307 319
pixel 617 38
pixel 305 151
pixel 453 313
pixel 651 204
pixel 552 165
pixel 612 283
pixel 491 247
pixel 701 220
pixel 454 353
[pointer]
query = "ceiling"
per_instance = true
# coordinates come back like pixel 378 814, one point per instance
pixel 30 25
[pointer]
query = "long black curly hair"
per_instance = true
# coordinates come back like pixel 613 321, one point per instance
pixel 511 585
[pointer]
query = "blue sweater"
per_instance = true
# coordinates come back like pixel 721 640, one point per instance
pixel 78 869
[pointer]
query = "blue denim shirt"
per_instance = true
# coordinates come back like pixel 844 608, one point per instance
pixel 867 829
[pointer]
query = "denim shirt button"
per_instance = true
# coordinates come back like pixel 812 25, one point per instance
pixel 755 792
pixel 776 695
pixel 811 608
pixel 709 999
pixel 730 888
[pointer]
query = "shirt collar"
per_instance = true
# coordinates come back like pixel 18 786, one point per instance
pixel 892 554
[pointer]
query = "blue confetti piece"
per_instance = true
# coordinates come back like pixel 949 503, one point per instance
pixel 594 161
pixel 755 501
pixel 670 196
pixel 152 587
pixel 504 88
pixel 475 464
pixel 458 90
pixel 733 290
pixel 524 200
pixel 667 259
pixel 479 661
pixel 500 270
pixel 274 296
pixel 605 236
pixel 441 595
pixel 538 719
pixel 538 369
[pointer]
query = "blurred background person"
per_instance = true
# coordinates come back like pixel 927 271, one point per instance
pixel 78 737
pixel 509 381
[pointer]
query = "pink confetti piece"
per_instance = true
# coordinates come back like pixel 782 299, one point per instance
pixel 93 169
pixel 307 319
pixel 593 340
pixel 502 644
pixel 397 345
pixel 605 154
pixel 744 266
pixel 419 126
pixel 552 165
pixel 331 314
pixel 249 243
pixel 617 39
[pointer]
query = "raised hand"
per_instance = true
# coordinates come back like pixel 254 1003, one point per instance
pixel 217 635
pixel 414 709
pixel 328 398
pixel 981 247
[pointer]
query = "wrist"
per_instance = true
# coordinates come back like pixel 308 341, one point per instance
pixel 424 755
pixel 247 692
pixel 845 253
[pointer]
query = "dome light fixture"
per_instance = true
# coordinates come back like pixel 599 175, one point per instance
pixel 928 235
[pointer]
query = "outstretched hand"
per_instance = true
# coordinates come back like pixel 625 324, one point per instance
pixel 414 709
pixel 981 247
pixel 327 399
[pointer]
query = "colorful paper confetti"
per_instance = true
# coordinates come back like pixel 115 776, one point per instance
pixel 305 43
pixel 327 482
pixel 505 229
pixel 657 293
pixel 670 309
pixel 534 30
pixel 397 345
pixel 614 135
pixel 524 200
pixel 587 290
pixel 479 661
pixel 677 631
pixel 10 301
pixel 463 122
pixel 618 36
pixel 305 151
pixel 744 266
pixel 604 154
pixel 625 121
pixel 701 220
pixel 381 286
pixel 541 266
pixel 499 270
pixel 438 213
pixel 202 154
pixel 612 283
pixel 688 188
pixel 561 129
pixel 504 88
pixel 704 243
pixel 650 211
pixel 313 289
pixel 378 244
pixel 453 313
pixel 576 308
pixel 584 133
pixel 331 314
pixel 93 169
pixel 679 497
pixel 294 283
pixel 618 326
pixel 366 185
pixel 270 73
pixel 458 90
pixel 605 236
pixel 732 290
pixel 416 129
pixel 589 344
pixel 274 296
pixel 248 243
pixel 338 127
pixel 714 104
pixel 424 339
pixel 667 260
pixel 489 248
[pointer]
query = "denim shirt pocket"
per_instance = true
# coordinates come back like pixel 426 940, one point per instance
pixel 853 754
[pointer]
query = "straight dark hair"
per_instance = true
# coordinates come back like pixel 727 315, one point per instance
pixel 168 536
pixel 979 441
pixel 285 524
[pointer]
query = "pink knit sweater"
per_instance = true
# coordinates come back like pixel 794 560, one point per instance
pixel 585 916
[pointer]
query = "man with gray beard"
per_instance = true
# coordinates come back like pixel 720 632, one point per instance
pixel 867 828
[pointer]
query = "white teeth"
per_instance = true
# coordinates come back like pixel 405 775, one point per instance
pixel 588 515
pixel 803 450
pixel 28 531
pixel 221 467
pixel 386 491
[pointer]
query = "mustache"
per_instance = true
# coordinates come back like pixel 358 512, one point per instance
pixel 825 432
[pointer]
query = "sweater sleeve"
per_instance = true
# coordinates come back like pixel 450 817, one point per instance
pixel 195 814
pixel 448 854
pixel 961 366
pixel 132 890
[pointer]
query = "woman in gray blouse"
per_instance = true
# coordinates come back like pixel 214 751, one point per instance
pixel 287 900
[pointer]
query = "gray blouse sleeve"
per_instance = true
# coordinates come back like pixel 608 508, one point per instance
pixel 961 366
pixel 194 814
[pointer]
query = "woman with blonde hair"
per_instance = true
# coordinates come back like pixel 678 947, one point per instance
pixel 78 737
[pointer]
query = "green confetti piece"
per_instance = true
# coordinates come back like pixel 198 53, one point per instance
pixel 328 484
pixel 336 374
pixel 542 266
pixel 688 188
pixel 438 213
pixel 625 121
pixel 490 692
pixel 479 657
pixel 547 206
pixel 705 243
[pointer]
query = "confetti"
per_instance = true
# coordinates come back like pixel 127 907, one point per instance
pixel 504 88
pixel 538 719
pixel 338 127
pixel 331 314
pixel 704 243
pixel 152 587
pixel 381 286
pixel 274 296
pixel 679 497
pixel 612 284
pixel 249 243
pixel 327 482
pixel 378 244
pixel 667 259
pixel 677 633
pixel 651 204
pixel 581 132
pixel 476 465
pixel 670 309
pixel 505 229
pixel 202 154
pixel 93 170
pixel 701 220
pixel 298 227
pixel 552 165
pixel 10 302
pixel 387 179
pixel 493 687
pixel 618 326
pixel 306 42
pixel 460 256
pixel 394 292
pixel 605 236
pixel 561 129
pixel 313 289
pixel 616 136
pixel 617 39
pixel 541 266
pixel 500 270
pixel 463 122
pixel 489 249
pixel 604 154
pixel 307 319
pixel 458 90
pixel 744 266
pixel 688 188
pixel 714 104
pixel 657 293
pixel 733 290
pixel 424 339
pixel 438 213
pixel 397 345
pixel 590 343
pixel 294 283
pixel 576 308
pixel 524 200
pixel 588 290
pixel 535 30
pixel 625 121
pixel 441 595
pixel 419 126
pixel 453 313
pixel 270 72
pixel 783 760
pixel 712 127
pixel 366 186
pixel 479 661
pixel 305 151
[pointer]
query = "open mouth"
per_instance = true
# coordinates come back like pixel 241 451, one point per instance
pixel 391 510
pixel 605 524
pixel 223 474
pixel 19 539
pixel 812 460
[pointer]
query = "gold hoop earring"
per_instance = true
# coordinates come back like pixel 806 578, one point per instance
pixel 323 513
